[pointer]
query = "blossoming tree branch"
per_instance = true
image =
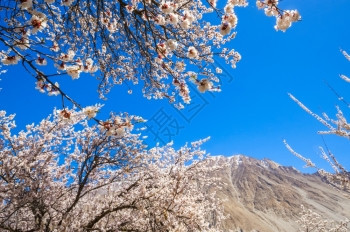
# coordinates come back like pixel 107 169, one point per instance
pixel 68 173
pixel 163 44
pixel 340 127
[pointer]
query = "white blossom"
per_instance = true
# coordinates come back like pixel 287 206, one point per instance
pixel 225 28
pixel 213 3
pixel 38 23
pixel 260 4
pixel 160 20
pixel 166 7
pixel 10 60
pixel 173 18
pixel 90 111
pixel 180 66
pixel 41 61
pixel 23 43
pixel 67 57
pixel 55 47
pixel 228 8
pixel 192 52
pixel 185 24
pixel 231 19
pixel 73 71
pixel 25 4
pixel 242 3
pixel 189 16
pixel 171 44
pixel 204 85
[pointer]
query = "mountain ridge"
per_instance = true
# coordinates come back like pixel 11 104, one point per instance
pixel 263 195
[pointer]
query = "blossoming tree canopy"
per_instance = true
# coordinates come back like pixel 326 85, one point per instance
pixel 64 175
pixel 164 44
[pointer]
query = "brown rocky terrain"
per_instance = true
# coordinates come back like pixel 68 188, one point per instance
pixel 262 195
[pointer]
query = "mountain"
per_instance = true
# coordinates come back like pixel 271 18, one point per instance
pixel 264 196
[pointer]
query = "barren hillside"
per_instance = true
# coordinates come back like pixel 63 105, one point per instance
pixel 265 196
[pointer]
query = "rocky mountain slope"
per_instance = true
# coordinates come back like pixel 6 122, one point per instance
pixel 263 196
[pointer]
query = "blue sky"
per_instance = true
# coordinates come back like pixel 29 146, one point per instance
pixel 253 113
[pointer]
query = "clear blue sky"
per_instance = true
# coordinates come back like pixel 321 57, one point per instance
pixel 253 113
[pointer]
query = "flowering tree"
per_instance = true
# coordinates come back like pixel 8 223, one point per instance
pixel 65 175
pixel 164 44
pixel 69 173
pixel 311 221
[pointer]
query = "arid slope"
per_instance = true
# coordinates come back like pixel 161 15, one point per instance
pixel 265 196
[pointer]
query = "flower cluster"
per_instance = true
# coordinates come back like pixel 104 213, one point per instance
pixel 45 87
pixel 284 19
pixel 229 19
pixel 74 67
pixel 117 126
